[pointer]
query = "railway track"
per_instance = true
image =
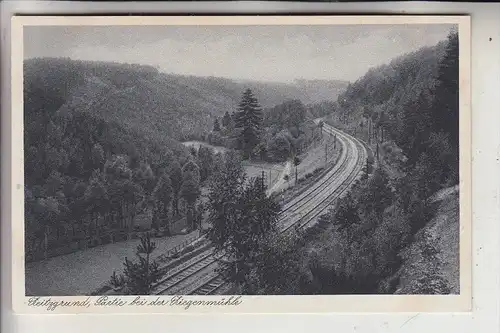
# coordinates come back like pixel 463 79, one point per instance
pixel 197 276
pixel 182 272
pixel 305 198
pixel 327 192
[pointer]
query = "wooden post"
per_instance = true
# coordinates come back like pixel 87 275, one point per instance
pixel 369 130
pixel 326 154
pixel 45 242
pixel 263 180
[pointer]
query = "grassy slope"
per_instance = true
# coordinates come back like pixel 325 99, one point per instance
pixel 272 172
pixel 314 158
pixel 252 169
pixel 311 167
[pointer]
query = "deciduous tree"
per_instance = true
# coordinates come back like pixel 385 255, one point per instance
pixel 190 189
pixel 163 194
pixel 296 162
pixel 175 173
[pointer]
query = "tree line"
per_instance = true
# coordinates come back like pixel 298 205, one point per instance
pixel 85 177
pixel 273 134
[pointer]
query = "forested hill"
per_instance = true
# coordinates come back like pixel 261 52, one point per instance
pixel 410 100
pixel 386 89
pixel 150 102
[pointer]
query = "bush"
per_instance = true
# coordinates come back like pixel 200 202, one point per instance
pixel 138 277
pixel 277 267
pixel 117 282
pixel 279 147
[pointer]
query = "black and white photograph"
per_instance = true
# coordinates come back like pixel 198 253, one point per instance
pixel 244 159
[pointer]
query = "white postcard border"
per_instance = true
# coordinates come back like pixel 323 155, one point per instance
pixel 251 304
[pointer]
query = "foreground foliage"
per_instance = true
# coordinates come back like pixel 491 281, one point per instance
pixel 240 214
pixel 139 277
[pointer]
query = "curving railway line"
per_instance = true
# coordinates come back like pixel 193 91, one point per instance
pixel 197 276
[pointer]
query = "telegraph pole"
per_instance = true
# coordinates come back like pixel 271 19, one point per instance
pixel 369 130
pixel 326 153
pixel 263 186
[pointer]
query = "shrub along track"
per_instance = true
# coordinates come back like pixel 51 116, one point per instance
pixel 198 275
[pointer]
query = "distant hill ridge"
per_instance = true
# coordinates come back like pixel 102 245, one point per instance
pixel 154 103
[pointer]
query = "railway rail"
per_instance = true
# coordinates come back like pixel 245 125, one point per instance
pixel 197 276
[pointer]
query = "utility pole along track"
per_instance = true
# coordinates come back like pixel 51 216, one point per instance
pixel 198 276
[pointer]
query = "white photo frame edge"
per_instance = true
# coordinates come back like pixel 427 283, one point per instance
pixel 484 317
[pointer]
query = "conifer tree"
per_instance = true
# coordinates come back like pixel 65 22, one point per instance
pixel 226 120
pixel 446 104
pixel 139 277
pixel 249 122
pixel 216 125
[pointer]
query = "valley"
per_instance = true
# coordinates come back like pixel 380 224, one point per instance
pixel 157 183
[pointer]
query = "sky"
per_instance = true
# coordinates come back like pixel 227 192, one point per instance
pixel 263 53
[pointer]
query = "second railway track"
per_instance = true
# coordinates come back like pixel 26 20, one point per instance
pixel 198 276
